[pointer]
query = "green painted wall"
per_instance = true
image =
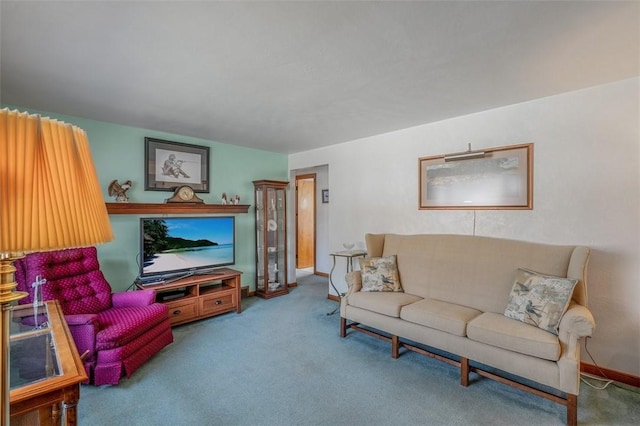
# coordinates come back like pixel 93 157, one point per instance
pixel 118 153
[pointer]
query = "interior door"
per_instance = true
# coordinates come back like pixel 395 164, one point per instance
pixel 306 221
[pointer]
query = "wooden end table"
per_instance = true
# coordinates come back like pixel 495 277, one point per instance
pixel 349 255
pixel 45 367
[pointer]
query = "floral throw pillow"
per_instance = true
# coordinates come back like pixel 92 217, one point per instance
pixel 539 300
pixel 380 274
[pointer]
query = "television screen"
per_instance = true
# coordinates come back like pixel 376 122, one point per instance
pixel 185 245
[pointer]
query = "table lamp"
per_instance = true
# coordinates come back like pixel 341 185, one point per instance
pixel 50 199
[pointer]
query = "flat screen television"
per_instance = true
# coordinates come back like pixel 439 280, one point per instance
pixel 178 246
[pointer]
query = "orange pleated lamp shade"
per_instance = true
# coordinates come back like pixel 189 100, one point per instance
pixel 50 197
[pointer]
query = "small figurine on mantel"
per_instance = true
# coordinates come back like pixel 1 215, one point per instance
pixel 120 190
pixel 235 200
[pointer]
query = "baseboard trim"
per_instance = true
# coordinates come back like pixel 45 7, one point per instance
pixel 321 274
pixel 618 376
pixel 333 297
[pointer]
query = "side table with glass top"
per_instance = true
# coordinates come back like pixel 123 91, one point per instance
pixel 45 367
pixel 349 255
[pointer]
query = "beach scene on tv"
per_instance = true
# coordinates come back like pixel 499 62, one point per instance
pixel 181 244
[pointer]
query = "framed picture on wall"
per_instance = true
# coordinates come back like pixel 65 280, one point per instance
pixel 171 164
pixel 494 178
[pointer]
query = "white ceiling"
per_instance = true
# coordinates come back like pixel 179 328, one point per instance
pixel 293 76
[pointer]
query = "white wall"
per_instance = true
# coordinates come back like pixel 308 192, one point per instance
pixel 586 192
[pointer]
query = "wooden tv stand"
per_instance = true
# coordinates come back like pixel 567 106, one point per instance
pixel 200 296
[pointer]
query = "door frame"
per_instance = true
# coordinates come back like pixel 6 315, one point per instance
pixel 307 176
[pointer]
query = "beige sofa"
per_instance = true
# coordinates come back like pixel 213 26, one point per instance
pixel 455 290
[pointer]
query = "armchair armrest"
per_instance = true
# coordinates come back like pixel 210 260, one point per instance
pixel 133 298
pixel 83 328
pixel 82 319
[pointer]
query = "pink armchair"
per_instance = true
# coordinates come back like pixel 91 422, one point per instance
pixel 119 331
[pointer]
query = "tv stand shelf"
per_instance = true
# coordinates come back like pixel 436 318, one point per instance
pixel 200 296
pixel 174 208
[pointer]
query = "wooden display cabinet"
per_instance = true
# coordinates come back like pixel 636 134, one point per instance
pixel 271 238
pixel 200 296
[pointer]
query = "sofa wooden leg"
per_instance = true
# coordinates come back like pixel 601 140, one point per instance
pixel 395 346
pixel 343 327
pixel 464 371
pixel 572 409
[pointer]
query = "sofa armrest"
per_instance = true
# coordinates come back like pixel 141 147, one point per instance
pixel 354 282
pixel 577 321
pixel 133 298
pixel 576 324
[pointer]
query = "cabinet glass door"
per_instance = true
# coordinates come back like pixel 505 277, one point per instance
pixel 271 238
pixel 260 240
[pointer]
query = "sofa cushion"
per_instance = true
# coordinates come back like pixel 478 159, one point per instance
pixel 440 315
pixel 506 333
pixel 386 303
pixel 380 274
pixel 539 300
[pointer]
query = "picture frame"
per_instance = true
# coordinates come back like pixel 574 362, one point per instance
pixel 171 164
pixel 498 178
pixel 325 196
